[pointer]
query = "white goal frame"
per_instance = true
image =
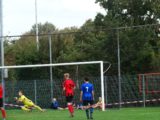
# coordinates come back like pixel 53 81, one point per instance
pixel 68 64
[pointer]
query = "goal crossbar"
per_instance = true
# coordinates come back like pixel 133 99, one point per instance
pixel 51 65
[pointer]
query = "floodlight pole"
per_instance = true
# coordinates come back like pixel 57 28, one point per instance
pixel 36 20
pixel 35 91
pixel 2 48
pixel 50 59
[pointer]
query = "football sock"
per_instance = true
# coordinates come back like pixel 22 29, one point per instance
pixel 70 108
pixel 91 112
pixel 3 113
pixel 87 113
pixel 37 107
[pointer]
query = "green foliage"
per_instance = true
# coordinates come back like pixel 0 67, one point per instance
pixel 132 12
pixel 43 28
pixel 139 47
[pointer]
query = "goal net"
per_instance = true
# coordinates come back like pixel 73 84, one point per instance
pixel 43 82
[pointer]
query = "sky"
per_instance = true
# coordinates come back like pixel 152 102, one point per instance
pixel 19 15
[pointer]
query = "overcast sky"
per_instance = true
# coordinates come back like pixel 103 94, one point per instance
pixel 19 15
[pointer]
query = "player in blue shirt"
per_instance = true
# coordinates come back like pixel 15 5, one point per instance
pixel 55 105
pixel 87 97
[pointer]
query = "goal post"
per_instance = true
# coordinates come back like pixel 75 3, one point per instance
pixel 101 66
pixel 102 85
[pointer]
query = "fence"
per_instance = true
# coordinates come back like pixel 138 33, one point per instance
pixel 40 91
pixel 130 94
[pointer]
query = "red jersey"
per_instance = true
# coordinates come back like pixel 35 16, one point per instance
pixel 1 91
pixel 69 86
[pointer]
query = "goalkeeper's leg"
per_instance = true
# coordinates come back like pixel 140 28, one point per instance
pixel 39 108
pixel 25 108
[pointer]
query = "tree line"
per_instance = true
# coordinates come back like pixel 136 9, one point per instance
pixel 95 40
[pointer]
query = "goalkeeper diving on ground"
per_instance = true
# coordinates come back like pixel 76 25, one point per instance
pixel 28 104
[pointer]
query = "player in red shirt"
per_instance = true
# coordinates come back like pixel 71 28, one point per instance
pixel 68 89
pixel 1 102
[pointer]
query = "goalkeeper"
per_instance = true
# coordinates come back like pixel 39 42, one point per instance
pixel 28 104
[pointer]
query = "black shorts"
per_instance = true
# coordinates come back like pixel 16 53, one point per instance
pixel 88 102
pixel 1 102
pixel 69 98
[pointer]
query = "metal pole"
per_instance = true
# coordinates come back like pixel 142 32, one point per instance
pixel 36 20
pixel 119 69
pixel 144 92
pixel 2 48
pixel 102 85
pixel 105 78
pixel 35 91
pixel 77 72
pixel 50 58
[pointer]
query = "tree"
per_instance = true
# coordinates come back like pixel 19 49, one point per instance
pixel 133 12
pixel 24 50
pixel 137 44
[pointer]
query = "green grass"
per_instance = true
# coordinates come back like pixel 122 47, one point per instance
pixel 112 114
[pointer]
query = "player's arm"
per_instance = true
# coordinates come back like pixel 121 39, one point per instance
pixel 93 92
pixel 81 94
pixel 63 91
pixel 74 86
pixel 64 88
pixel 20 99
pixel 16 99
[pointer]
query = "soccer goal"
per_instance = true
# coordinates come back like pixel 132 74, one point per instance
pixel 45 89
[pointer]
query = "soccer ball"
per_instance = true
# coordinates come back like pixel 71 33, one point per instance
pixel 15 98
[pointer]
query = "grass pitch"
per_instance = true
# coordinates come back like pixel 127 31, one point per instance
pixel 112 114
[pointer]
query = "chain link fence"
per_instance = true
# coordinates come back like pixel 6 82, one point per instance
pixel 132 95
pixel 39 91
